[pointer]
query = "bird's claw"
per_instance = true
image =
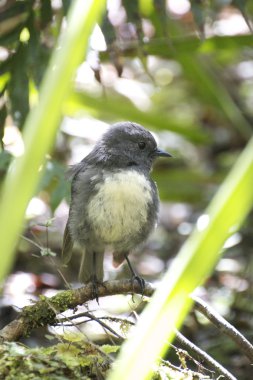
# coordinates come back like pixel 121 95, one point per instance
pixel 140 281
pixel 95 285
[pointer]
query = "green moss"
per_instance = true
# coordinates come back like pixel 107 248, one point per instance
pixel 72 360
pixel 63 300
pixel 61 361
pixel 44 311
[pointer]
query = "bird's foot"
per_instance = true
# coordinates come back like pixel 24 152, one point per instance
pixel 135 277
pixel 95 285
pixel 140 281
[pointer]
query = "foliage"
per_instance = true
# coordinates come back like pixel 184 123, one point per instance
pixel 62 361
pixel 69 360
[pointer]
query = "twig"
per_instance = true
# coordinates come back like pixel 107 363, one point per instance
pixel 90 318
pixel 187 372
pixel 118 320
pixel 183 353
pixel 203 355
pixel 85 314
pixel 224 326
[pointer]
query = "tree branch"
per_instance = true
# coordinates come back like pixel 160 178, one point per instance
pixel 224 326
pixel 204 356
pixel 44 312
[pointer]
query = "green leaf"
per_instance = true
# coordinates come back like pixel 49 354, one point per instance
pixel 5 159
pixel 109 349
pixel 12 20
pixel 61 191
pixel 3 115
pixel 18 86
pixel 115 108
pixel 46 12
pixel 54 181
pixel 210 87
pixel 160 47
pixel 73 336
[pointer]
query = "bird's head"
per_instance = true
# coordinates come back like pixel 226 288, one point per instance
pixel 128 144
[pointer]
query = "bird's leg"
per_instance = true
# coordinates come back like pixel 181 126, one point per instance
pixel 135 277
pixel 94 280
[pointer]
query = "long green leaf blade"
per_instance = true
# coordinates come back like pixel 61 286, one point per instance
pixel 42 123
pixel 194 262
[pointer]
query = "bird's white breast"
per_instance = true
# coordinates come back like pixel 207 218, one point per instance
pixel 119 209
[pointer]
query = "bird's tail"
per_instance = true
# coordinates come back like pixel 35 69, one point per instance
pixel 67 246
pixel 91 266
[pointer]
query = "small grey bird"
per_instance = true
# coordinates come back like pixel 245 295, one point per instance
pixel 114 202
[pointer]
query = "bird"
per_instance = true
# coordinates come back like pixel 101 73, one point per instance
pixel 114 202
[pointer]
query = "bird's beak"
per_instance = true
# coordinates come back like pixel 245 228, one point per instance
pixel 161 153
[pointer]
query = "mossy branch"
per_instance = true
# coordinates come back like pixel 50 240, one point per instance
pixel 45 311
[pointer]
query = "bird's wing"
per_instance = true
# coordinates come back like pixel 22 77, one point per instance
pixel 67 246
pixel 73 171
pixel 68 243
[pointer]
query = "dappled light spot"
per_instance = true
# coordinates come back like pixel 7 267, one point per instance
pixel 203 222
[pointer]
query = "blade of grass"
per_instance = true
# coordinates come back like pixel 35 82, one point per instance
pixel 42 123
pixel 113 107
pixel 171 302
pixel 211 88
pixel 184 44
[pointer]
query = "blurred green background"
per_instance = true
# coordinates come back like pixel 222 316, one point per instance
pixel 183 69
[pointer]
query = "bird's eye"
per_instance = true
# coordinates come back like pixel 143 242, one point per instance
pixel 142 145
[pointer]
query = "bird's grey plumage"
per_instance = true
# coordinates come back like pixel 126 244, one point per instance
pixel 114 203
